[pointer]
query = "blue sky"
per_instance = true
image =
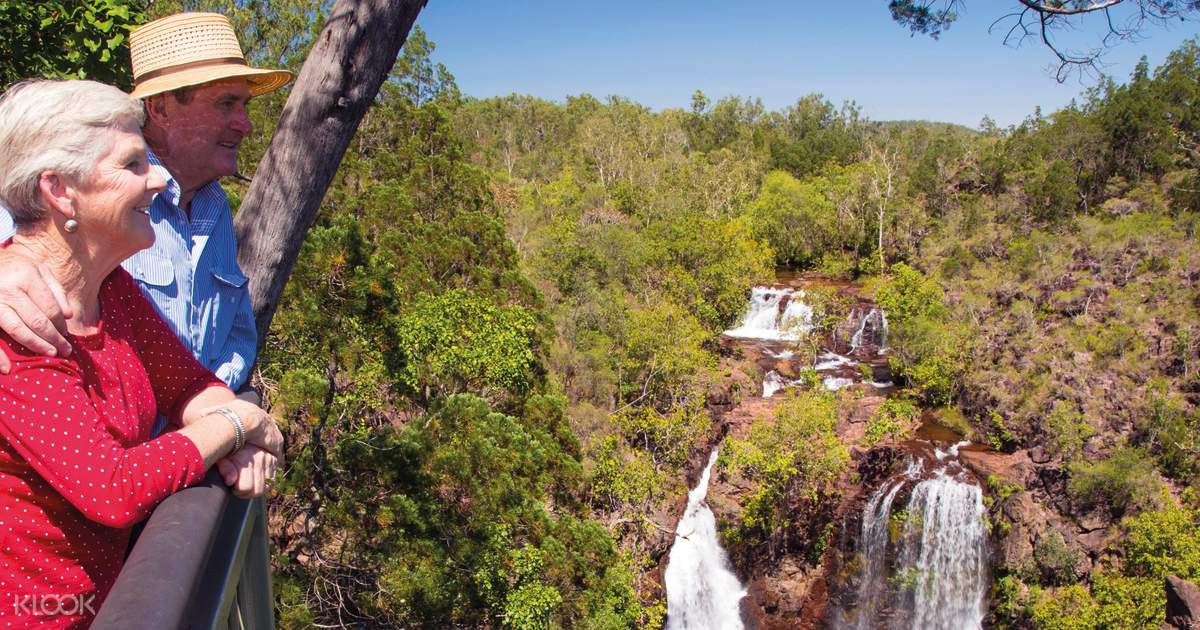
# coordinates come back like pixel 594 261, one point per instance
pixel 658 52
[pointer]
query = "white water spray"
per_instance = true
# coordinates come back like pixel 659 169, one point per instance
pixel 764 318
pixel 702 591
pixel 927 566
pixel 772 383
pixel 946 555
pixel 872 329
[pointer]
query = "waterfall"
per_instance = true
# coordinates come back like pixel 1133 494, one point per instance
pixel 926 566
pixel 773 382
pixel 872 329
pixel 775 314
pixel 702 591
pixel 874 535
pixel 945 555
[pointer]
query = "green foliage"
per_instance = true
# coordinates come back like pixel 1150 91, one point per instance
pixel 893 420
pixel 667 437
pixel 908 295
pixel 1068 608
pixel 795 456
pixel 1171 430
pixel 1114 602
pixel 1163 542
pixel 1128 602
pixel 935 377
pixel 1002 488
pixel 1125 482
pixel 904 523
pixel 462 531
pixel 1157 543
pixel 1053 192
pixel 623 480
pixel 922 17
pixel 800 219
pixel 1055 559
pixel 68 39
pixel 1068 431
pixel 925 351
pixel 812 133
pixel 458 341
pixel 662 353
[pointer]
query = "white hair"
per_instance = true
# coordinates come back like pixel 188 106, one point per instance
pixel 56 126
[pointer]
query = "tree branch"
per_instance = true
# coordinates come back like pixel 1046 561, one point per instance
pixel 1066 9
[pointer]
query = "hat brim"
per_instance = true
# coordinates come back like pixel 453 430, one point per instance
pixel 260 80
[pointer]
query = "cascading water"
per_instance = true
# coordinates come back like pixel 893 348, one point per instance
pixel 924 566
pixel 947 556
pixel 772 383
pixel 874 536
pixel 872 329
pixel 702 591
pixel 775 314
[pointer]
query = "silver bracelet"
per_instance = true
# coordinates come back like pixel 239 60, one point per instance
pixel 239 429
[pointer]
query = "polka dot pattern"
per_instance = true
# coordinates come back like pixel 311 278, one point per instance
pixel 77 465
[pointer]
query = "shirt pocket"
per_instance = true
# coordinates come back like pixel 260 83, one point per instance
pixel 231 278
pixel 155 273
pixel 230 287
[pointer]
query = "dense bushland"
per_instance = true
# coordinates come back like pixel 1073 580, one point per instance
pixel 498 354
pixel 518 278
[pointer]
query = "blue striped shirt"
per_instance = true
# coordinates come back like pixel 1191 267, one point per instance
pixel 192 276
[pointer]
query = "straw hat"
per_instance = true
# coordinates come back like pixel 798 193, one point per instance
pixel 189 49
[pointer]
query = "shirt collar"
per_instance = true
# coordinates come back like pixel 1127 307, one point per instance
pixel 173 192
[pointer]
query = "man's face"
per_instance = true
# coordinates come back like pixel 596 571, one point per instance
pixel 203 135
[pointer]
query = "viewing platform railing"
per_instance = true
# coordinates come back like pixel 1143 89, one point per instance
pixel 201 562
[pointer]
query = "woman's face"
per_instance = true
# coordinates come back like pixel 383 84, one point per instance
pixel 113 206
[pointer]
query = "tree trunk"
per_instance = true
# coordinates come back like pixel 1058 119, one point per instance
pixel 337 84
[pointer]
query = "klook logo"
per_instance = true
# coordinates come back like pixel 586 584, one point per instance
pixel 54 605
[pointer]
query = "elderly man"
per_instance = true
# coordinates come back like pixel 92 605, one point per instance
pixel 190 72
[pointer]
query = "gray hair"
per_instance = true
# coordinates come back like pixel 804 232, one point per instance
pixel 56 126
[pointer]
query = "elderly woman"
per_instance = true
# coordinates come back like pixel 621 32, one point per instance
pixel 77 465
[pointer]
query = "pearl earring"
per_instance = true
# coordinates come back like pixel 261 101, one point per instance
pixel 71 226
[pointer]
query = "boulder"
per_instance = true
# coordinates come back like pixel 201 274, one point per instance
pixel 1026 519
pixel 1183 605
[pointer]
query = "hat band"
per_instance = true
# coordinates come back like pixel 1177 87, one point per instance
pixel 220 61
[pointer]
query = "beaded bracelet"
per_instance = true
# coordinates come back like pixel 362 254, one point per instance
pixel 239 429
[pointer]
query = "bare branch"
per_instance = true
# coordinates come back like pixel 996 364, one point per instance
pixel 1038 19
pixel 1078 8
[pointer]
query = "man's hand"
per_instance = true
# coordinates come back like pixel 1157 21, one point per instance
pixel 33 307
pixel 248 471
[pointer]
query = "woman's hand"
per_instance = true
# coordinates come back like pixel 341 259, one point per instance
pixel 261 430
pixel 248 472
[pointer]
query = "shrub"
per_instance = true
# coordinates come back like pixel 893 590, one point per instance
pixel 667 437
pixel 1068 430
pixel 936 378
pixel 1172 431
pixel 1164 542
pixel 1002 488
pixel 892 420
pixel 1069 608
pixel 1131 603
pixel 909 294
pixel 794 457
pixel 1126 482
pixel 1056 560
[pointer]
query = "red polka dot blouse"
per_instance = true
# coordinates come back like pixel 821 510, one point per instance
pixel 77 465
